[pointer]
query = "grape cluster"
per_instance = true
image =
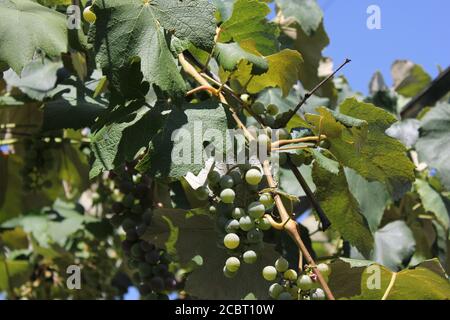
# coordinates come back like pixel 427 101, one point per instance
pixel 132 208
pixel 39 162
pixel 240 207
pixel 288 285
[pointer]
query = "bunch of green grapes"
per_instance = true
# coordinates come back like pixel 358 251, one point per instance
pixel 288 285
pixel 239 206
pixel 132 211
pixel 38 162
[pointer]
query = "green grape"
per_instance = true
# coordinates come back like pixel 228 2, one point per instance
pixel 269 273
pixel 255 236
pixel 213 178
pixel 264 224
pixel 227 196
pixel 245 98
pixel 226 182
pixel 275 290
pixel 256 210
pixel 258 108
pixel 253 177
pixel 227 273
pixel 294 291
pixel 272 109
pixel 318 294
pixel 324 269
pixel 250 256
pixel 202 193
pixel 212 209
pixel 285 296
pixel 88 15
pixel 231 241
pixel 232 226
pixel 283 134
pixel 232 264
pixel 269 120
pixel 246 223
pixel 266 199
pixel 290 274
pixel 282 264
pixel 238 213
pixel 304 282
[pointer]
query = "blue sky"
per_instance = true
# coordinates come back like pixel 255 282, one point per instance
pixel 411 29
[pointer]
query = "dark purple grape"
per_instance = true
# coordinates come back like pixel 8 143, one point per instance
pixel 157 284
pixel 127 245
pixel 147 246
pixel 117 207
pixel 171 283
pixel 141 229
pixel 152 257
pixel 160 270
pixel 132 235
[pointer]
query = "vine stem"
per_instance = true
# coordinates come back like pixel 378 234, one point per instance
pixel 280 143
pixel 315 204
pixel 290 226
pixel 310 93
pixel 190 69
pixel 390 286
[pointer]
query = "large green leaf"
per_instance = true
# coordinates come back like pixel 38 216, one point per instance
pixel 409 79
pixel 419 283
pixel 230 56
pixel 13 272
pixel 284 68
pixel 434 141
pixel 248 22
pixel 192 234
pixel 120 140
pixel 367 150
pixel 36 80
pixel 136 28
pixel 27 27
pixel 342 208
pixel 371 196
pixel 432 202
pixel 306 12
pixel 185 134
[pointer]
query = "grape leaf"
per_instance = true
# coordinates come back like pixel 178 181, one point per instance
pixel 36 80
pixel 17 272
pixel 367 150
pixel 409 79
pixel 125 30
pixel 283 71
pixel 306 12
pixel 185 134
pixel 224 9
pixel 394 244
pixel 372 197
pixel 419 283
pixel 27 27
pixel 121 139
pixel 248 21
pixel 230 56
pixel 325 162
pixel 342 208
pixel 434 140
pixel 432 202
